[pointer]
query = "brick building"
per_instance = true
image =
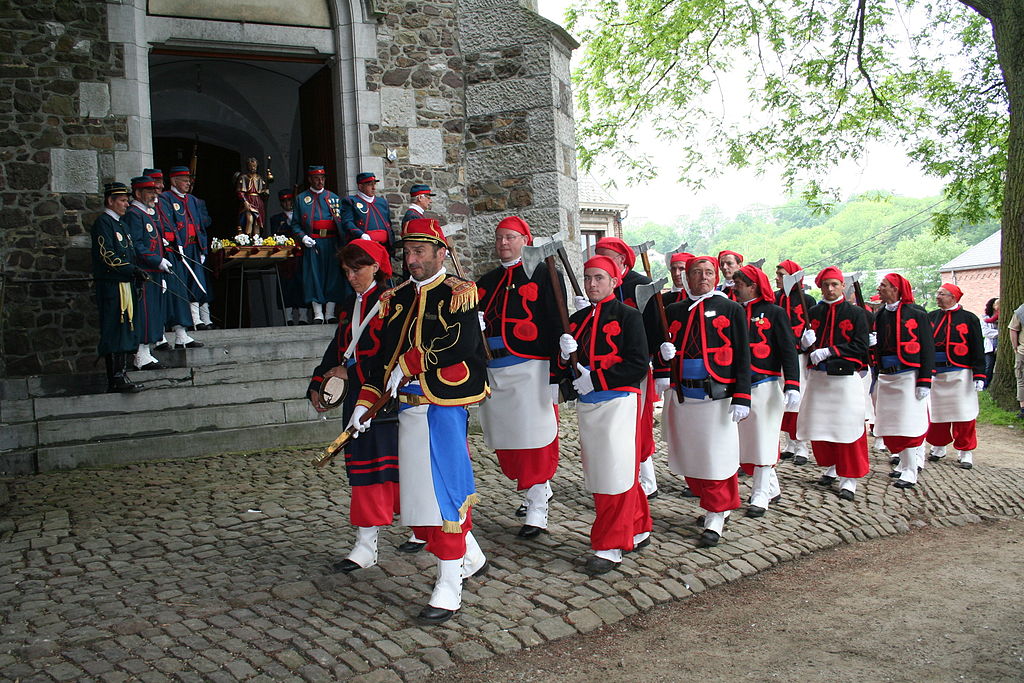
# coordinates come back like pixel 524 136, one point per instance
pixel 976 271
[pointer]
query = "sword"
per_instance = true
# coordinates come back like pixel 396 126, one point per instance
pixel 184 262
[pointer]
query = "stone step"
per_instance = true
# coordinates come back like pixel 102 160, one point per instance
pixel 295 332
pixel 269 348
pixel 172 446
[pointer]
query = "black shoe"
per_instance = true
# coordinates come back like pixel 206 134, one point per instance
pixel 966 465
pixel 162 345
pixel 289 323
pixel 653 495
pixel 530 531
pixel 708 538
pixel 901 484
pixel 302 322
pixel 756 511
pixel 332 320
pixel 320 321
pixel 152 365
pixel 434 615
pixel 191 345
pixel 846 494
pixel 345 566
pixel 482 571
pixel 411 547
pixel 596 566
pixel 786 455
pixel 894 460
pixel 776 499
pixel 799 459
pixel 120 386
pixel 521 510
pixel 825 480
pixel 640 546
pixel 687 493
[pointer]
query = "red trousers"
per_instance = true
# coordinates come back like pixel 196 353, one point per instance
pixel 789 424
pixel 445 546
pixel 619 518
pixel 529 466
pixel 716 495
pixel 895 444
pixel 850 459
pixel 374 504
pixel 963 435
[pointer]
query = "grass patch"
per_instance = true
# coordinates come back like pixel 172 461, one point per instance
pixel 990 413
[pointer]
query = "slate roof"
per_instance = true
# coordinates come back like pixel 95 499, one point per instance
pixel 984 254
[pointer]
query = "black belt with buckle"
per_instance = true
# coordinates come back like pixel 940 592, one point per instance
pixel 500 353
pixel 693 383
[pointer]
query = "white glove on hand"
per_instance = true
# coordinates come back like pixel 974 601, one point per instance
pixel 364 236
pixel 872 338
pixel 308 241
pixel 739 412
pixel 166 243
pixel 792 400
pixel 808 338
pixel 661 385
pixel 202 258
pixel 818 355
pixel 165 265
pixel 583 384
pixel 979 385
pixel 567 346
pixel 483 325
pixel 668 351
pixel 922 393
pixel 554 393
pixel 354 423
pixel 163 286
pixel 394 380
pixel 580 302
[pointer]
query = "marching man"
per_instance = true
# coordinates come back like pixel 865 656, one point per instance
pixel 773 358
pixel 832 409
pixel 904 355
pixel 433 363
pixel 521 322
pixel 959 375
pixel 707 368
pixel 796 303
pixel 611 366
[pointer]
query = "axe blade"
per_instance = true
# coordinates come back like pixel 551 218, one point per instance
pixel 790 281
pixel 678 250
pixel 759 263
pixel 644 246
pixel 535 255
pixel 452 229
pixel 644 293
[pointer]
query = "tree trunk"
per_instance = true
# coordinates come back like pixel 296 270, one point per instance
pixel 1008 29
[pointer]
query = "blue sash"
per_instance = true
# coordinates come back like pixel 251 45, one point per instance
pixel 497 344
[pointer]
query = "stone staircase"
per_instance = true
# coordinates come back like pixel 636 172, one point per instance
pixel 243 391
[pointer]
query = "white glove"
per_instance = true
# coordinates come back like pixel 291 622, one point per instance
pixel 792 400
pixel 163 286
pixel 166 243
pixel 818 355
pixel 394 380
pixel 979 385
pixel 165 265
pixel 567 345
pixel 872 338
pixel 661 385
pixel 580 302
pixel 739 412
pixel 668 351
pixel 483 325
pixel 202 258
pixel 808 338
pixel 364 236
pixel 922 393
pixel 583 384
pixel 554 393
pixel 354 423
pixel 308 241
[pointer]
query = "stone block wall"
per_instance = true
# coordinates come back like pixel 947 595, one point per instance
pixel 56 143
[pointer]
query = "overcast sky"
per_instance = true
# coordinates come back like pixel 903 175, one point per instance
pixel 885 168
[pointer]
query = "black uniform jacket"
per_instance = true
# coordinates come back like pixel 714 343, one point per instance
pixel 843 328
pixel 652 319
pixel 957 333
pixel 626 292
pixel 771 349
pixel 434 336
pixel 905 333
pixel 719 327
pixel 522 311
pixel 612 342
pixel 797 307
pixel 368 348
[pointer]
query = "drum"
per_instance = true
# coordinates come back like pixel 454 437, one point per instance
pixel 334 387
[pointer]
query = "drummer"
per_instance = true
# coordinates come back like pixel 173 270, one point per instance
pixel 371 460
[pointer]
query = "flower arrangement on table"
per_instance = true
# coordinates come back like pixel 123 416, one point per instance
pixel 242 245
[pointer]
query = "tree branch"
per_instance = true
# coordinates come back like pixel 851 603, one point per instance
pixel 986 8
pixel 859 19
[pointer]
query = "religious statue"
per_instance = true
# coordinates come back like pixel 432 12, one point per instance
pixel 252 189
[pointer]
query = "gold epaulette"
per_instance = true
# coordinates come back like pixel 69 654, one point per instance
pixel 385 299
pixel 464 294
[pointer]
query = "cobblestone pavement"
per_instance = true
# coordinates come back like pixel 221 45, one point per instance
pixel 217 568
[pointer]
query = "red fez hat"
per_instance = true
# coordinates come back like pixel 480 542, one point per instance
pixel 617 245
pixel 377 251
pixel 725 252
pixel 789 266
pixel 902 285
pixel 517 224
pixel 758 277
pixel 606 264
pixel 424 230
pixel 710 259
pixel 829 273
pixel 681 257
pixel 952 289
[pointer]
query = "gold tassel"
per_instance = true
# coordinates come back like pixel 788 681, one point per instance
pixel 464 297
pixel 450 527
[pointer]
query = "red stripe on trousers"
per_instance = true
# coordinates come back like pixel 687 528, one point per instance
pixel 850 459
pixel 963 435
pixel 445 546
pixel 716 495
pixel 619 518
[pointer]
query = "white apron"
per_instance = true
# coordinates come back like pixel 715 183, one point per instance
pixel 701 437
pixel 869 400
pixel 953 398
pixel 832 408
pixel 419 503
pixel 759 433
pixel 608 444
pixel 897 410
pixel 519 413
